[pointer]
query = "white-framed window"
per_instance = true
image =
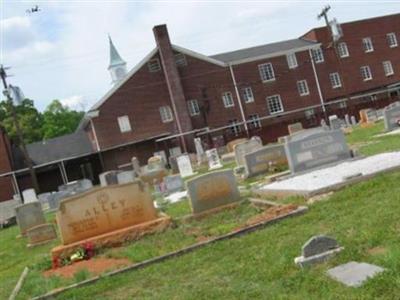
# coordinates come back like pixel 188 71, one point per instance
pixel 291 60
pixel 302 87
pixel 392 40
pixel 166 114
pixel 193 107
pixel 334 78
pixel 124 124
pixel 228 99
pixel 248 95
pixel 387 67
pixel 274 104
pixel 154 65
pixel 234 127
pixel 180 60
pixel 318 55
pixel 366 73
pixel 342 50
pixel 367 44
pixel 254 121
pixel 266 72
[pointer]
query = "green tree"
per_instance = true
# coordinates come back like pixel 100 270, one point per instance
pixel 59 120
pixel 29 118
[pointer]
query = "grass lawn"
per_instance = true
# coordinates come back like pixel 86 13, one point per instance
pixel 259 265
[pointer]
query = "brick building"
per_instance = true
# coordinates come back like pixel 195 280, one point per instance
pixel 175 94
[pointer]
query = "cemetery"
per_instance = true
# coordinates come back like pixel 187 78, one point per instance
pixel 243 225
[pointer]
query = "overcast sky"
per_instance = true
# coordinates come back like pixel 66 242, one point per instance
pixel 61 52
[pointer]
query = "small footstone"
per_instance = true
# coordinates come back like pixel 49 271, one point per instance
pixel 354 274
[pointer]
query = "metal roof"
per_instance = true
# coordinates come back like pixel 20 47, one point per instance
pixel 262 50
pixel 115 58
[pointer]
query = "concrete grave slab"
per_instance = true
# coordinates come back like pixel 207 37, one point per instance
pixel 41 234
pixel 354 274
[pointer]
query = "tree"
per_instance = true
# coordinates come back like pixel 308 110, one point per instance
pixel 59 120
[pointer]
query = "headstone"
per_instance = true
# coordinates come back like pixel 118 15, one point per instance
pixel 199 149
pixel 104 209
pixel 353 121
pixel 29 196
pixel 155 163
pixel 44 200
pixel 323 123
pixel 213 159
pixel 260 161
pixel 334 122
pixel 7 211
pixel 41 234
pixel 212 190
pixel 175 151
pixel 173 164
pixel 231 145
pixel 108 178
pixel 154 170
pixel 318 249
pixel 184 165
pixel 173 183
pixel 371 115
pixel 354 274
pixel 295 127
pixel 29 215
pixel 77 186
pixel 315 147
pixel 125 177
pixel 162 155
pixel 135 165
pixel 243 148
pixel 56 197
pixel 391 116
pixel 347 120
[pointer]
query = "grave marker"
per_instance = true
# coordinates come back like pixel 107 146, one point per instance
pixel 29 215
pixel 295 127
pixel 184 165
pixel 173 183
pixel 246 147
pixel 125 177
pixel 391 115
pixel 261 160
pixel 29 195
pixel 41 234
pixel 213 159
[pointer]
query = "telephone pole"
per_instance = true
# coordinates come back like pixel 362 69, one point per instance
pixel 18 130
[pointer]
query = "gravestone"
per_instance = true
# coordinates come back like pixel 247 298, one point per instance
pixel 184 165
pixel 135 165
pixel 125 177
pixel 29 215
pixel 353 121
pixel 371 115
pixel 77 186
pixel 231 145
pixel 212 190
pixel 243 148
pixel 347 120
pixel 41 234
pixel 29 195
pixel 103 210
pixel 354 274
pixel 163 156
pixel 318 249
pixel 56 197
pixel 334 122
pixel 173 164
pixel 260 161
pixel 199 150
pixel 154 170
pixel 314 148
pixel 108 178
pixel 44 200
pixel 213 159
pixel 173 183
pixel 295 127
pixel 391 116
pixel 7 211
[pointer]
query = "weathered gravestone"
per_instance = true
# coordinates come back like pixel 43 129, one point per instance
pixel 212 190
pixel 315 147
pixel 44 199
pixel 213 159
pixel 261 160
pixel 184 165
pixel 125 177
pixel 243 148
pixel 334 122
pixel 41 234
pixel 29 215
pixel 29 195
pixel 173 164
pixel 108 178
pixel 318 249
pixel 7 212
pixel 154 170
pixel 56 197
pixel 103 210
pixel 173 183
pixel 391 115
pixel 77 186
pixel 295 127
pixel 353 120
pixel 199 150
pixel 135 165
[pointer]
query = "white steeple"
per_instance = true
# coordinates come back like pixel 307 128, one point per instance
pixel 117 65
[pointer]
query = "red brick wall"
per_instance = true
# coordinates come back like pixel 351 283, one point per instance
pixel 6 189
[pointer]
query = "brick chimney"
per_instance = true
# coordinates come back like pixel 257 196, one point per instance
pixel 174 84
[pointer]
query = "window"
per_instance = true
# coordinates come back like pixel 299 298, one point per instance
pixel 234 127
pixel 254 121
pixel 193 106
pixel 335 80
pixel 388 68
pixel 366 73
pixel 266 72
pixel 367 44
pixel 180 60
pixel 302 87
pixel 309 113
pixel 166 114
pixel 154 65
pixel 124 124
pixel 227 99
pixel 342 50
pixel 343 104
pixel 274 104
pixel 291 60
pixel 373 97
pixel 318 55
pixel 248 95
pixel 392 40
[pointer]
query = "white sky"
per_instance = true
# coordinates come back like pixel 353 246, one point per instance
pixel 62 51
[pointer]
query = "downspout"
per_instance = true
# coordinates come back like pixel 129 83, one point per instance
pixel 94 135
pixel 239 100
pixel 318 85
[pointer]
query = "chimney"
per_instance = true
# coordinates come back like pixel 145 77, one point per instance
pixel 173 80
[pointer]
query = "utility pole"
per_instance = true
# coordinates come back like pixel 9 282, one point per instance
pixel 20 137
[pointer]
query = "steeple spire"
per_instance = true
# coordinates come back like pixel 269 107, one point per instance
pixel 117 66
